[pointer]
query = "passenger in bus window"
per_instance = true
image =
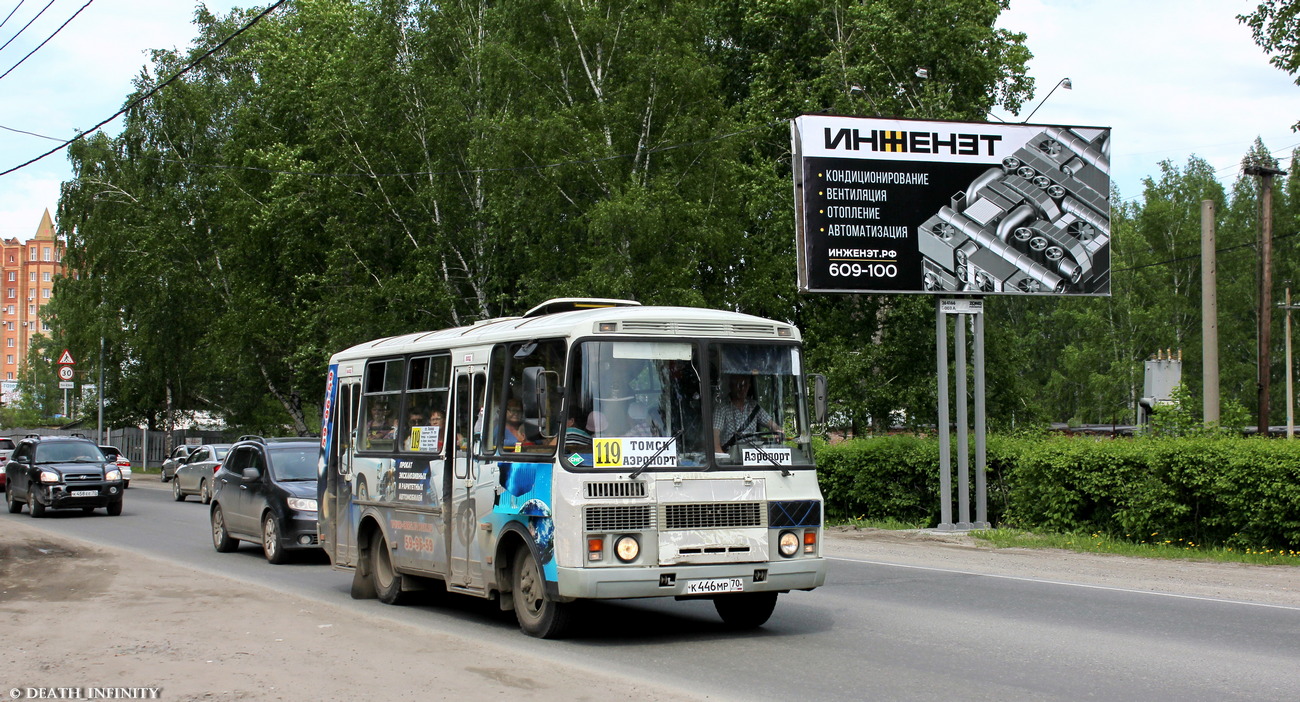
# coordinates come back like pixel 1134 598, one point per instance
pixel 514 435
pixel 438 420
pixel 575 436
pixel 645 422
pixel 414 425
pixel 597 423
pixel 380 426
pixel 739 414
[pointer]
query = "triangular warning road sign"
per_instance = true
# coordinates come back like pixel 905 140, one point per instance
pixel 66 358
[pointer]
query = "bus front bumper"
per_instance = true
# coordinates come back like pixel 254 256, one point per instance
pixel 675 581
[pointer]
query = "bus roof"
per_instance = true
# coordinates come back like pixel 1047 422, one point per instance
pixel 582 317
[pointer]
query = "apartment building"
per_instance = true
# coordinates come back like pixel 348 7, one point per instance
pixel 27 273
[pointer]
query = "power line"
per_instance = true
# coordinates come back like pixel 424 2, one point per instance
pixel 274 6
pixel 19 131
pixel 25 26
pixel 11 12
pixel 1217 171
pixel 47 40
pixel 473 171
pixel 468 171
pixel 1192 256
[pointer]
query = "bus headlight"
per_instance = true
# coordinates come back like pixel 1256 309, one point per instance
pixel 788 545
pixel 627 548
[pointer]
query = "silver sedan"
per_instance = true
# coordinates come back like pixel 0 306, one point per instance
pixel 194 476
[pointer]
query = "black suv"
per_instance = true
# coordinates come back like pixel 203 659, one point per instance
pixel 265 492
pixel 62 472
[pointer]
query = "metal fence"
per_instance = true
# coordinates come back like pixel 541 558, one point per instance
pixel 143 448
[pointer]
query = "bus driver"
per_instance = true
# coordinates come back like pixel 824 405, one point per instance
pixel 739 414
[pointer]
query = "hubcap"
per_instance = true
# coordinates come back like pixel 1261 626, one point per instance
pixel 269 539
pixel 218 527
pixel 383 567
pixel 528 587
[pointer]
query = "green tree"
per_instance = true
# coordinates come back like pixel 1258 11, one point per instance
pixel 1275 25
pixel 347 170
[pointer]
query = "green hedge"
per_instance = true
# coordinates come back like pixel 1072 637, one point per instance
pixel 1224 491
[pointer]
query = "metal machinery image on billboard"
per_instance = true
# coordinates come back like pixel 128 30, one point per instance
pixel 907 206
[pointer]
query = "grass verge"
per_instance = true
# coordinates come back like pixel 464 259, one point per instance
pixel 863 523
pixel 1155 548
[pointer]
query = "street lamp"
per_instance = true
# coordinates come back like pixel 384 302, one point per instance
pixel 1062 83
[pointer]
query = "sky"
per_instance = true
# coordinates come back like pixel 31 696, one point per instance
pixel 1172 78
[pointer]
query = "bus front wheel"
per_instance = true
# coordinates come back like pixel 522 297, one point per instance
pixel 538 615
pixel 748 610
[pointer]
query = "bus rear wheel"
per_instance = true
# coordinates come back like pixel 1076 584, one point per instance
pixel 387 581
pixel 748 610
pixel 538 615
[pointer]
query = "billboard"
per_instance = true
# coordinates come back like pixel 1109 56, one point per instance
pixel 911 206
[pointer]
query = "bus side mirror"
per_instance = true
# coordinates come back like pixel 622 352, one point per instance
pixel 536 400
pixel 535 391
pixel 820 404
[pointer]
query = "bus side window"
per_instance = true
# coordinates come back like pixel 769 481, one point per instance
pixel 383 397
pixel 345 417
pixel 463 421
pixel 424 426
pixel 541 426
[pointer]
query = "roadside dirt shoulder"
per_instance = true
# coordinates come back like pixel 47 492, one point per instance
pixel 1278 585
pixel 80 616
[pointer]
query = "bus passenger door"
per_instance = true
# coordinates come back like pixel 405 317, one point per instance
pixel 345 430
pixel 471 492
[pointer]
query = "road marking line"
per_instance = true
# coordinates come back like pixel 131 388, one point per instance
pixel 1066 583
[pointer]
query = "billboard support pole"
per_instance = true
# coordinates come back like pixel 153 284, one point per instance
pixel 981 485
pixel 945 465
pixel 963 422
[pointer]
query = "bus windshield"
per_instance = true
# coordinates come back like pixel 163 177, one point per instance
pixel 758 409
pixel 640 405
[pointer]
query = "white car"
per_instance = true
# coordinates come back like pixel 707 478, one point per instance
pixel 7 446
pixel 123 463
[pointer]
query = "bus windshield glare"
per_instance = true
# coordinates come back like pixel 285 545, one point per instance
pixel 647 405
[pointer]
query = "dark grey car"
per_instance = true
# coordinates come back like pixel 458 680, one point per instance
pixel 62 472
pixel 266 493
pixel 194 476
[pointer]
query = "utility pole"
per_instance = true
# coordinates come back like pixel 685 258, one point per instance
pixel 1290 369
pixel 1265 174
pixel 1209 316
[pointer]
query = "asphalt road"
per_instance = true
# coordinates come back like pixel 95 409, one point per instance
pixel 875 631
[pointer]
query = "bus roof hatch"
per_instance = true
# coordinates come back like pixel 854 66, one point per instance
pixel 570 304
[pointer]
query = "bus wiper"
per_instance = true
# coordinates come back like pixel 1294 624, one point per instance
pixel 785 473
pixel 655 455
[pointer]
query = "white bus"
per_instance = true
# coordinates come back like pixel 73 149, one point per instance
pixel 589 449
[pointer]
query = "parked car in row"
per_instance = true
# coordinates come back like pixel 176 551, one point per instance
pixel 62 472
pixel 194 475
pixel 176 460
pixel 123 463
pixel 6 450
pixel 266 492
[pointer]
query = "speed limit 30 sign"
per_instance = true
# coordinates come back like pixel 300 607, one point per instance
pixel 65 373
